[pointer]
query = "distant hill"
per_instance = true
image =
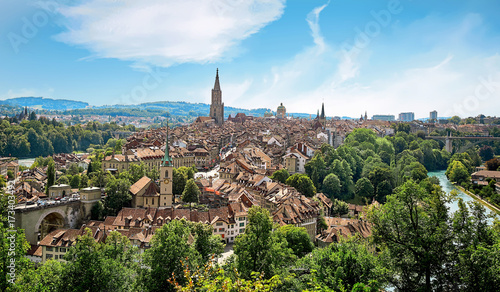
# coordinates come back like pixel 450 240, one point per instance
pixel 45 103
pixel 149 109
pixel 162 108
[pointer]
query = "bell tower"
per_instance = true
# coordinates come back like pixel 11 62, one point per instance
pixel 166 178
pixel 217 106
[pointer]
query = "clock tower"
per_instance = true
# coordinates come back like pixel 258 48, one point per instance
pixel 166 178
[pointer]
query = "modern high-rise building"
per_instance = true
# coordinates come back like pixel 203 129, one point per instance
pixel 217 106
pixel 407 117
pixel 383 118
pixel 433 116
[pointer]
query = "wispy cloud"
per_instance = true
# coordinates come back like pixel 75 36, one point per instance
pixel 313 21
pixel 166 32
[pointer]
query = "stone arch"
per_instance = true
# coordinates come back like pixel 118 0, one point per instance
pixel 50 221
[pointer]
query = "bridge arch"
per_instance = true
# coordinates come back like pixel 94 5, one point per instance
pixel 50 221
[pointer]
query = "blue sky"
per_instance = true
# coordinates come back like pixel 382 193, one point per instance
pixel 383 57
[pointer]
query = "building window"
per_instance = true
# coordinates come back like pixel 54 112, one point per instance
pixel 49 248
pixel 152 201
pixel 56 257
pixel 221 229
pixel 242 230
pixel 48 256
pixel 218 224
pixel 62 249
pixel 242 224
pixel 215 229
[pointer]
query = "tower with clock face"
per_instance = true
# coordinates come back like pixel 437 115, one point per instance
pixel 166 178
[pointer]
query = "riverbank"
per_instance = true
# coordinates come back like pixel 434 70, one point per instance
pixel 477 198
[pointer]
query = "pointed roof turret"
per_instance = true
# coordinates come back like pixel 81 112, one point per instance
pixel 217 85
pixel 323 111
pixel 167 160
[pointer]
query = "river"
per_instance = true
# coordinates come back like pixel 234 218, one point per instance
pixel 447 186
pixel 26 162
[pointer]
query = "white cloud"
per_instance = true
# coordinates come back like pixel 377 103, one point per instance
pixel 166 32
pixel 313 21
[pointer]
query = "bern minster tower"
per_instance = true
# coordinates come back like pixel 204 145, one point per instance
pixel 217 106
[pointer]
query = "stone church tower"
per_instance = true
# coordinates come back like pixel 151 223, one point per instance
pixel 217 106
pixel 166 178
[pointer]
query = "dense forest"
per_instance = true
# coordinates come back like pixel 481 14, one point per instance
pixel 43 137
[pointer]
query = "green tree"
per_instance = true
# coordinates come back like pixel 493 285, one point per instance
pixel 191 193
pixel 455 120
pixel 364 188
pixel 280 175
pixel 84 181
pixel 316 169
pixel 63 179
pixel 75 181
pixel 210 278
pixel 47 278
pixel 339 207
pixel 153 173
pixel 298 239
pixel 332 186
pixel 260 249
pixel 341 266
pixel 168 245
pixel 13 245
pixel 486 153
pixel 117 196
pixel 458 173
pixel 361 135
pixel 206 243
pixel 93 266
pixel 73 169
pixel 302 183
pixel 137 171
pixel 413 225
pixel 400 145
pixel 179 181
pixel 97 211
pixel 418 171
pixel 381 179
pixel 51 175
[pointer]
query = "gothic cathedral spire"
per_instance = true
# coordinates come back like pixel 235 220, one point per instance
pixel 217 106
pixel 217 85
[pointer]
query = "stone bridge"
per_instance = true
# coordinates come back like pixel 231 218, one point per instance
pixel 38 221
pixel 449 141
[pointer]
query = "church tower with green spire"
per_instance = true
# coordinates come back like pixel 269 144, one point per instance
pixel 166 178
